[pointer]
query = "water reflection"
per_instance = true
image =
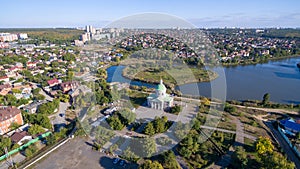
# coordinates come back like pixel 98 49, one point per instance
pixel 280 78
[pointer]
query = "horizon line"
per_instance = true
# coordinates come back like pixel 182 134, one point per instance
pixel 224 27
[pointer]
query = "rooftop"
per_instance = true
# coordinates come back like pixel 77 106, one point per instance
pixel 17 136
pixel 161 86
pixel 290 124
pixel 7 112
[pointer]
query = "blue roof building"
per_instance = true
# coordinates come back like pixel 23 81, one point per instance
pixel 291 125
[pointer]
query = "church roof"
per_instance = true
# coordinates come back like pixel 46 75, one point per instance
pixel 154 97
pixel 167 98
pixel 161 86
pixel 151 96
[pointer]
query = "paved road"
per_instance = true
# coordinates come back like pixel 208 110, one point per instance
pixel 280 111
pixel 239 138
pixel 57 119
pixel 46 95
pixel 284 145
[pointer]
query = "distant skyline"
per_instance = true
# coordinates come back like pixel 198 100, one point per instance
pixel 205 13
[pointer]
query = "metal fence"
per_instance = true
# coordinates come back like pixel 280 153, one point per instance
pixel 288 141
pixel 25 145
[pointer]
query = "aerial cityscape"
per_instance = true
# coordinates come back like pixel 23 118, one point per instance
pixel 150 84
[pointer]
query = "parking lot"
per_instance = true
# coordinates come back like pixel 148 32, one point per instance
pixel 78 154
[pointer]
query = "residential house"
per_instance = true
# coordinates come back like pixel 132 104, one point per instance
pixel 20 137
pixel 37 71
pixel 25 91
pixel 8 115
pixel 5 89
pixel 24 127
pixel 67 86
pixel 32 107
pixel 31 64
pixel 11 74
pixel 19 65
pixel 53 82
pixel 4 78
pixel 14 69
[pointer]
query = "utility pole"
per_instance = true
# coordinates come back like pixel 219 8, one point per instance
pixel 8 158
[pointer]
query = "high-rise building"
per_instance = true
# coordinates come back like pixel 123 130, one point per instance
pixel 84 37
pixel 8 37
pixel 23 35
pixel 90 29
pixel 87 28
pixel 93 30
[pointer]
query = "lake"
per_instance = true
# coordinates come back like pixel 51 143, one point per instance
pixel 280 78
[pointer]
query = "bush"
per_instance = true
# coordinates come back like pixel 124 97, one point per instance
pixel 35 129
pixel 230 109
pixel 39 119
pixel 163 141
pixel 31 150
pixel 175 109
pixel 49 107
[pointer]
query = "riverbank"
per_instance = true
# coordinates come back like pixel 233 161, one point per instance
pixel 259 62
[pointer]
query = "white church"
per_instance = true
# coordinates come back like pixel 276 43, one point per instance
pixel 160 99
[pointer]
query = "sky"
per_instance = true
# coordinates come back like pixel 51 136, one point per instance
pixel 201 13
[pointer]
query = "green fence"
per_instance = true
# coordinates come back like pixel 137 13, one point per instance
pixel 25 145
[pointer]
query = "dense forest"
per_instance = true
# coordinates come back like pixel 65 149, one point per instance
pixel 43 35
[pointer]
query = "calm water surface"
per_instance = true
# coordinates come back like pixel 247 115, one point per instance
pixel 280 78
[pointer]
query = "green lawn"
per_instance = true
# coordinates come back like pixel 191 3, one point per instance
pixel 171 77
pixel 137 98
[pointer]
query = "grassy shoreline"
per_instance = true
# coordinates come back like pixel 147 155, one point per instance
pixel 255 63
